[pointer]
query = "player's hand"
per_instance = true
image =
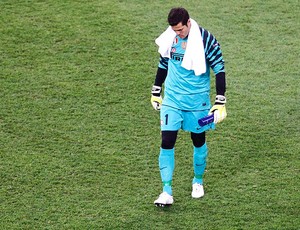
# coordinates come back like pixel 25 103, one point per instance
pixel 219 109
pixel 156 98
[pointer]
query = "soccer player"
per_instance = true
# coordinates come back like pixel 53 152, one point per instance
pixel 186 95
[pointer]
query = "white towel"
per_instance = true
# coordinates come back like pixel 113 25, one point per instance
pixel 165 41
pixel 194 57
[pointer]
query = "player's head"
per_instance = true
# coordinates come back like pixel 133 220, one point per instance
pixel 179 20
pixel 177 15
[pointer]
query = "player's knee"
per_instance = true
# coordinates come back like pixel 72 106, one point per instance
pixel 168 139
pixel 198 139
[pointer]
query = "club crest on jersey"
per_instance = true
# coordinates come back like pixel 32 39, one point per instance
pixel 183 45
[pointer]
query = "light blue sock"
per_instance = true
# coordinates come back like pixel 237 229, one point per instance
pixel 166 167
pixel 200 154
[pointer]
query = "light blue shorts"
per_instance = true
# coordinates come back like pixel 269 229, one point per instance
pixel 172 119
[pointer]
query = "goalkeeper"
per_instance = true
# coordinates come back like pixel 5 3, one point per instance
pixel 187 52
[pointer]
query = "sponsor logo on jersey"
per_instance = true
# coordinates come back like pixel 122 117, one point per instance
pixel 177 56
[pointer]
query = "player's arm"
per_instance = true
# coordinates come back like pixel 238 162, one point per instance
pixel 160 78
pixel 215 60
pixel 219 109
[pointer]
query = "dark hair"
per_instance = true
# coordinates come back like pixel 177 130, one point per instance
pixel 177 15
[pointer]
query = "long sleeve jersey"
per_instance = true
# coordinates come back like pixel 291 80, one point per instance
pixel 183 89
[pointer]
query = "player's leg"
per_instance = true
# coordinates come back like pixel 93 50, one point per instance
pixel 167 159
pixel 170 124
pixel 199 161
pixel 190 124
pixel 166 167
pixel 199 156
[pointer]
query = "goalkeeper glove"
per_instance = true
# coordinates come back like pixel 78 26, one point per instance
pixel 156 98
pixel 219 109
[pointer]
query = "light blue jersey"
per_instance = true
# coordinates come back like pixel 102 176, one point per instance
pixel 183 89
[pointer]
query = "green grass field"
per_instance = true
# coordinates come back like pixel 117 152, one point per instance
pixel 79 140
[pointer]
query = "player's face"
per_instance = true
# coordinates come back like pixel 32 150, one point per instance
pixel 182 30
